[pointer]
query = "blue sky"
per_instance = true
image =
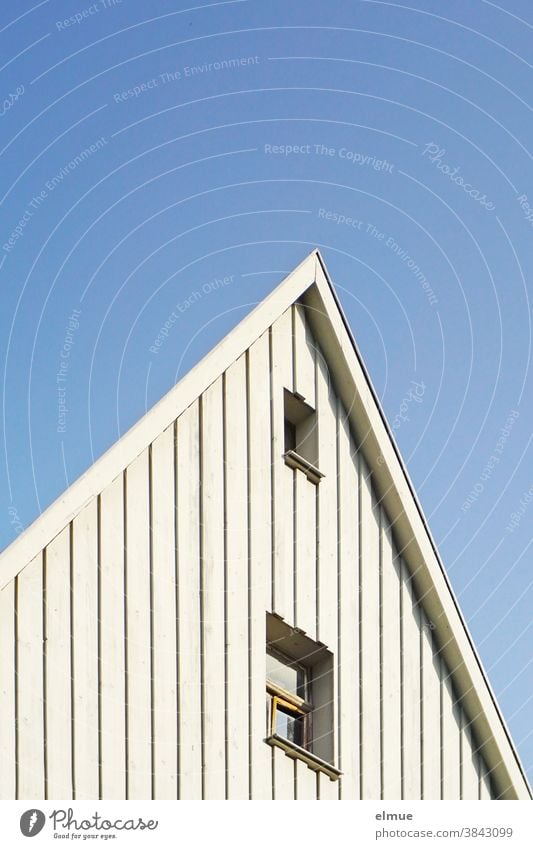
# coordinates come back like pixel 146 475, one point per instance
pixel 153 150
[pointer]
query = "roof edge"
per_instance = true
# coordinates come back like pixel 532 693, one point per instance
pixel 116 458
pixel 395 498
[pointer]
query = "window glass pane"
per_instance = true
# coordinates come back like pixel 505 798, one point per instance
pixel 290 726
pixel 290 677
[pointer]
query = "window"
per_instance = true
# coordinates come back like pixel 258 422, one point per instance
pixel 300 696
pixel 301 443
pixel 288 687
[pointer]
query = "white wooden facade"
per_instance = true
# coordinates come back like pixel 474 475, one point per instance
pixel 132 613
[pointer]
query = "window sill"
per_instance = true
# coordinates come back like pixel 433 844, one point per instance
pixel 298 753
pixel 296 461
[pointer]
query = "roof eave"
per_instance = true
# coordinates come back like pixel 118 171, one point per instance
pixel 412 531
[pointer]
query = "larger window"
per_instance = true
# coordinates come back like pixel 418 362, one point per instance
pixel 288 689
pixel 300 696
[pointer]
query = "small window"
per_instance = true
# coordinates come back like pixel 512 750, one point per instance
pixel 301 442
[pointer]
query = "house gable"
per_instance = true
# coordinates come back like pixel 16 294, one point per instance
pixel 195 509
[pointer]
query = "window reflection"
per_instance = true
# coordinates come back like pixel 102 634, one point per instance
pixel 290 676
pixel 290 727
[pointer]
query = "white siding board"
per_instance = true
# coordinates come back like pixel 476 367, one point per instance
pixel 165 740
pixel 411 689
pixel 451 733
pixel 260 561
pixel 138 629
pixel 283 774
pixel 213 591
pixel 189 707
pixel 304 357
pixel 85 650
pixel 430 701
pixel 328 558
pixel 30 707
pixel 237 581
pixel 305 554
pixel 348 649
pixel 112 649
pixel 58 668
pixel 328 790
pixel 391 666
pixel 7 693
pixel 327 507
pixel 370 660
pixel 305 782
pixel 469 763
pixel 283 498
pixel 485 791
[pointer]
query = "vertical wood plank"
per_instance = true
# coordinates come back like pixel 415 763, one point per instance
pixel 29 683
pixel 189 698
pixel 430 700
pixel 485 790
pixel 7 693
pixel 469 762
pixel 112 649
pixel 304 357
pixel 348 658
pixel 451 745
pixel 138 628
pixel 327 506
pixel 327 546
pixel 58 669
pixel 411 729
pixel 305 554
pixel 85 650
pixel 237 580
pixel 282 475
pixel 213 591
pixel 164 671
pixel 328 790
pixel 260 558
pixel 370 660
pixel 283 772
pixel 391 661
pixel 305 783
